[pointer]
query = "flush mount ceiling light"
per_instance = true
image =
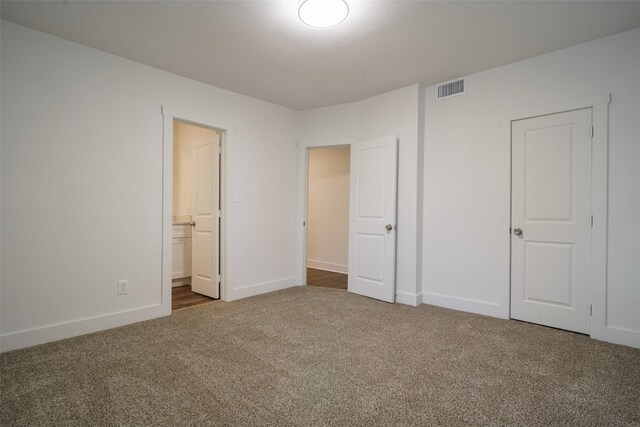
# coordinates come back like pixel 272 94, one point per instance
pixel 323 13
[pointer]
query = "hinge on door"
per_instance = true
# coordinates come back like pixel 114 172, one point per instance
pixel 219 149
pixel 592 220
pixel 590 310
pixel 218 278
pixel 219 213
pixel 592 131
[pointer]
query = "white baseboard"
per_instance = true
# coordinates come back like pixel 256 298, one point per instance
pixel 175 283
pixel 327 266
pixel 405 298
pixel 49 333
pixel 261 288
pixel 616 335
pixel 464 304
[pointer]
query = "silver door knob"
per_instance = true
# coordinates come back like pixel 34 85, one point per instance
pixel 517 231
pixel 192 223
pixel 389 227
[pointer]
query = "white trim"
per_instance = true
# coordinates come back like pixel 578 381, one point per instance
pixel 600 327
pixel 560 107
pixel 58 331
pixel 261 288
pixel 301 216
pixel 464 304
pixel 614 334
pixel 330 142
pixel 183 281
pixel 167 209
pixel 405 298
pixel 327 266
pixel 167 202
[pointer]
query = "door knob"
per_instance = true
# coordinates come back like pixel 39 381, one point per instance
pixel 389 227
pixel 517 231
pixel 192 223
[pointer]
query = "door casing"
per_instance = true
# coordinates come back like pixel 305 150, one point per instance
pixel 197 119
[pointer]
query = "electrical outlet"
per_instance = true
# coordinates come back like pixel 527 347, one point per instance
pixel 123 287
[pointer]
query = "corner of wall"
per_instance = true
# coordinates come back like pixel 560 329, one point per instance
pixel 420 205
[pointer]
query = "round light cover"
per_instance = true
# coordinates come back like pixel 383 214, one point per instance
pixel 323 13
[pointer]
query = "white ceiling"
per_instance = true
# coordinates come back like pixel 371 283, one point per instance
pixel 259 48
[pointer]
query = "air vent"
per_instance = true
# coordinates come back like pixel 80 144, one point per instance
pixel 449 89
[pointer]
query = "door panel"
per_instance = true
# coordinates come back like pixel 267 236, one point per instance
pixel 550 273
pixel 371 186
pixel 548 165
pixel 551 205
pixel 205 204
pixel 203 268
pixel 372 207
pixel 370 252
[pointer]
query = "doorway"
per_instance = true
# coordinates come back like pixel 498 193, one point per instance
pixel 327 263
pixel 373 180
pixel 196 214
pixel 552 220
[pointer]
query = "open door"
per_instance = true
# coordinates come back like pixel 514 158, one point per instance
pixel 372 218
pixel 205 212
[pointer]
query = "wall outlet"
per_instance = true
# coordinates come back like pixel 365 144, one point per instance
pixel 123 287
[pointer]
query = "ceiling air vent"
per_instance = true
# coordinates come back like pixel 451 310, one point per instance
pixel 449 89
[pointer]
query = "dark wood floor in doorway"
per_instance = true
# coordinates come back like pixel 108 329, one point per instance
pixel 326 279
pixel 183 296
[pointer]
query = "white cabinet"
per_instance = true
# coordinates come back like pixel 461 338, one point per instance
pixel 181 251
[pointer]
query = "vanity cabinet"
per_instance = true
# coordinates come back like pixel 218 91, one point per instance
pixel 181 251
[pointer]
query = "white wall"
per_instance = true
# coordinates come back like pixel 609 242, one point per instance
pixel 82 186
pixel 466 173
pixel 81 176
pixel 328 209
pixel 185 136
pixel 393 113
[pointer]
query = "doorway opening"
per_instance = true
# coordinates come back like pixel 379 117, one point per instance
pixel 196 214
pixel 371 225
pixel 328 181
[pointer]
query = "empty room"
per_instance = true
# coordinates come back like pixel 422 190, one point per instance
pixel 319 212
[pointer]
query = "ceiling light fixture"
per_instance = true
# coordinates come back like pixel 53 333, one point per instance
pixel 323 13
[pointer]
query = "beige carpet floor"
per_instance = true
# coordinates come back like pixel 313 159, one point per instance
pixel 318 356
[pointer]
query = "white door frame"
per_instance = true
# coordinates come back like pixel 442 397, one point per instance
pixel 599 105
pixel 303 199
pixel 167 197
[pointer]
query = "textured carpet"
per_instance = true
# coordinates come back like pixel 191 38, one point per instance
pixel 318 356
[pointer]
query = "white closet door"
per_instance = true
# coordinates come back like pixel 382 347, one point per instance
pixel 551 220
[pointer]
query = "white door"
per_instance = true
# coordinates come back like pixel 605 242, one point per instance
pixel 372 218
pixel 551 220
pixel 205 202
